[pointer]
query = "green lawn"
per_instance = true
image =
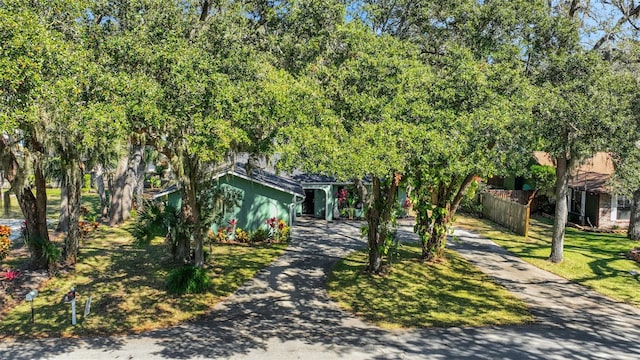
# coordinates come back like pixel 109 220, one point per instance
pixel 412 294
pixel 90 200
pixel 127 286
pixel 126 283
pixel 595 260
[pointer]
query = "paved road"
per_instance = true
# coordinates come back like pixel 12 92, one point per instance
pixel 284 313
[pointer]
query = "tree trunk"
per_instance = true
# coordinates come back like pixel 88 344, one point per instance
pixel 373 223
pixel 74 191
pixel 378 219
pixel 424 228
pixel 34 210
pixel 183 232
pixel 139 186
pixel 194 222
pixel 436 243
pixel 460 194
pixel 7 201
pixel 422 208
pixel 562 209
pixel 191 193
pixel 122 192
pixel 63 220
pixel 99 182
pixel 362 192
pixel 634 222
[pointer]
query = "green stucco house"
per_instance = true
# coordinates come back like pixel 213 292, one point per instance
pixel 264 196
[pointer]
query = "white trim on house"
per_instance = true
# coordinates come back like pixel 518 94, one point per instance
pixel 583 205
pixel 614 207
pixel 326 199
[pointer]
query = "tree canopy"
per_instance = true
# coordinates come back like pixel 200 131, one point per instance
pixel 431 95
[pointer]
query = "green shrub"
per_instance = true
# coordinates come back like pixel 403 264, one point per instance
pixel 149 223
pixel 260 235
pixel 188 280
pixel 284 234
pixel 154 181
pixel 241 236
pixel 470 203
pixel 86 181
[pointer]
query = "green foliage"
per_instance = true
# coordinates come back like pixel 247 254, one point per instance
pixel 154 182
pixel 216 201
pixel 52 253
pixel 260 235
pixel 580 124
pixel 150 222
pixel 86 181
pixel 242 236
pixel 471 204
pixel 188 280
pixel 543 176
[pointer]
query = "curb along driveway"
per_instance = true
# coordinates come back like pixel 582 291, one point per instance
pixel 284 313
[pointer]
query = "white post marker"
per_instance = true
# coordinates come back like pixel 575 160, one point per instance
pixel 73 311
pixel 87 308
pixel 71 297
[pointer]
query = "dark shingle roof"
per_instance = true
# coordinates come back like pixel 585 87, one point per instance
pixel 306 178
pixel 313 178
pixel 263 177
pixel 259 176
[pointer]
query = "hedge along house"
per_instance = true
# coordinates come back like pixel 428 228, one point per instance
pixel 264 196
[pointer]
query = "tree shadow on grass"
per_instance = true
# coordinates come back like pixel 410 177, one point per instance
pixel 287 304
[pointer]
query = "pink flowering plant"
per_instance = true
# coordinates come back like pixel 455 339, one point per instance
pixel 279 231
pixel 347 201
pixel 342 196
pixel 10 275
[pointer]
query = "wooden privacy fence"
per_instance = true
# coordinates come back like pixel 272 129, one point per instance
pixel 507 213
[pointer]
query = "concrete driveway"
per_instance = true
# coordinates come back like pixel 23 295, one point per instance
pixel 284 313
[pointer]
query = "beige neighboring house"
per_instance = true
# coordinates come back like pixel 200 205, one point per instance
pixel 591 199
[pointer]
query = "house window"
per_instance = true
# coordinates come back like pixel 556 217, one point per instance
pixel 624 208
pixel 624 202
